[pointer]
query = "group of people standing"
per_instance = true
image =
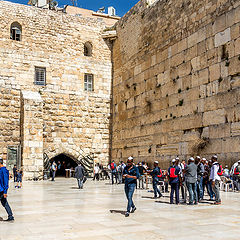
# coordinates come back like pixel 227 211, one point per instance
pixel 191 177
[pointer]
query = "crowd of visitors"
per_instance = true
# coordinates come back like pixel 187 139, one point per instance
pixel 193 179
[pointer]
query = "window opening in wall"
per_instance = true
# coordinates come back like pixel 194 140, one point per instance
pixel 15 31
pixel 13 157
pixel 40 76
pixel 88 82
pixel 88 49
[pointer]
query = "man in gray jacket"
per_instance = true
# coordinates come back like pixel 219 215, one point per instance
pixel 79 175
pixel 191 181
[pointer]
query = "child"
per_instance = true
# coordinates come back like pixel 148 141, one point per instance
pixel 19 178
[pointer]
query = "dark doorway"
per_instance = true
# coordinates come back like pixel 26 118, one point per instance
pixel 63 162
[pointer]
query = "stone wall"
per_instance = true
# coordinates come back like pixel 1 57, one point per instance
pixel 176 81
pixel 73 120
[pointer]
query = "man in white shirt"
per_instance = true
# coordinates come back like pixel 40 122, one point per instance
pixel 215 179
pixel 96 172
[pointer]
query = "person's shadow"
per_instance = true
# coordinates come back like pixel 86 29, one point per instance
pixel 118 211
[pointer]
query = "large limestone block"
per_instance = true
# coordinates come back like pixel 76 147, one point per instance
pixel 215 72
pixel 235 129
pixel 219 131
pixel 219 24
pixel 222 37
pixel 214 117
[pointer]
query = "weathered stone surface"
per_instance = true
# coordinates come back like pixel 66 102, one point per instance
pixel 67 117
pixel 196 92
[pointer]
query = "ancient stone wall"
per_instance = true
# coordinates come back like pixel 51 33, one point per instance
pixel 72 118
pixel 176 81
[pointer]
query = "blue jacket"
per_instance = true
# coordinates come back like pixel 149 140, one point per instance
pixel 132 172
pixel 4 179
pixel 155 173
pixel 177 171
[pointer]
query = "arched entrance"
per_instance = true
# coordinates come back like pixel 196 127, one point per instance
pixel 63 162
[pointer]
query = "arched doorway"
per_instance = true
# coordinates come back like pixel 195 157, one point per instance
pixel 63 162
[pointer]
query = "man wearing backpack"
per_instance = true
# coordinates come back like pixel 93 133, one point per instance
pixel 174 180
pixel 4 180
pixel 214 177
pixel 156 173
pixel 113 167
pixel 131 174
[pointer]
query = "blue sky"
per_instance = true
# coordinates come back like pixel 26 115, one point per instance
pixel 122 6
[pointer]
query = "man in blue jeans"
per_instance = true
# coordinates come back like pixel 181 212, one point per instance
pixel 191 180
pixel 4 179
pixel 174 180
pixel 156 174
pixel 200 173
pixel 131 174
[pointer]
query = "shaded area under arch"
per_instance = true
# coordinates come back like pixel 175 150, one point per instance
pixel 63 162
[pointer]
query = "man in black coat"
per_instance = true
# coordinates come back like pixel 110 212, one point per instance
pixel 79 175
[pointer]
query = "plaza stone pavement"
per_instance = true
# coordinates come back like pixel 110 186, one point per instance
pixel 58 210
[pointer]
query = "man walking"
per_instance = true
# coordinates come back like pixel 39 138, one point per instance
pixel 15 173
pixel 215 179
pixel 131 174
pixel 53 169
pixel 191 181
pixel 174 175
pixel 156 173
pixel 4 180
pixel 79 175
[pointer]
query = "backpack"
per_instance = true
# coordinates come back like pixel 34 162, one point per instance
pixel 113 166
pixel 160 173
pixel 172 173
pixel 220 170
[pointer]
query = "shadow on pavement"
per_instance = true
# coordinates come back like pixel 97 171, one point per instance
pixel 1 219
pixel 162 202
pixel 147 197
pixel 118 211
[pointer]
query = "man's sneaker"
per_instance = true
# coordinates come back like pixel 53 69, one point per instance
pixel 160 196
pixel 127 214
pixel 10 219
pixel 217 203
pixel 133 210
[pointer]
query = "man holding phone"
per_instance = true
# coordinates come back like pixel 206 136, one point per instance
pixel 131 174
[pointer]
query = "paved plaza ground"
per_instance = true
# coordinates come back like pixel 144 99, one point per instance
pixel 58 210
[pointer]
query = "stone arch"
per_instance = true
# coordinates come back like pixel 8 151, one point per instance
pixel 72 151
